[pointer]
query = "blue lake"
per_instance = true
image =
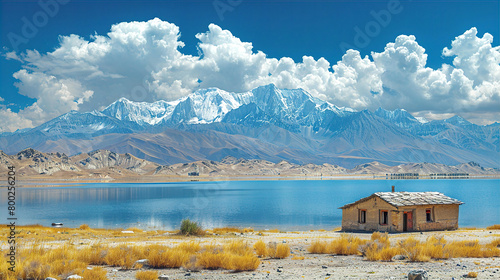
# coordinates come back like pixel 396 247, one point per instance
pixel 286 205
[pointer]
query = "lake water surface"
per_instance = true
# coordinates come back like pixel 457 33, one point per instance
pixel 286 205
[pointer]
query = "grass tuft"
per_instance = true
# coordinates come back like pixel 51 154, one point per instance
pixel 278 251
pixel 493 227
pixel 318 247
pixel 84 227
pixel 190 228
pixel 472 274
pixel 146 275
pixel 260 248
pixel 96 273
pixel 345 245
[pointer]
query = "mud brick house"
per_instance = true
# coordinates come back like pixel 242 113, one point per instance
pixel 401 211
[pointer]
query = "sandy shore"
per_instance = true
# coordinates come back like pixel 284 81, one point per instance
pixel 301 264
pixel 45 181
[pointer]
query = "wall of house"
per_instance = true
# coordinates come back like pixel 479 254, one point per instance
pixel 444 217
pixel 373 207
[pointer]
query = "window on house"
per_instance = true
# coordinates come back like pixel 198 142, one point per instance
pixel 428 215
pixel 384 217
pixel 362 216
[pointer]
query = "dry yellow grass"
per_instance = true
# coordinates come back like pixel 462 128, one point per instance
pixel 472 274
pixel 211 259
pixel 245 262
pixel 379 252
pixel 345 245
pixel 235 255
pixel 123 256
pixel 190 247
pixel 134 229
pixel 238 247
pixel 260 248
pixel 494 227
pixel 146 275
pixel 96 273
pixel 413 250
pixel 225 230
pixel 318 247
pixel 495 242
pixel 379 248
pixel 278 251
pixel 168 258
pixel 84 227
pixel 93 254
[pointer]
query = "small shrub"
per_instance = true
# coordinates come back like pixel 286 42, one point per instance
pixel 212 259
pixel 35 270
pixel 93 255
pixel 260 248
pixel 123 256
pixel 494 227
pixel 168 258
pixel 375 235
pixel 464 249
pixel 96 273
pixel 190 228
pixel 382 238
pixel 435 248
pixel 472 274
pixel 345 245
pixel 190 247
pixel 375 251
pixel 318 247
pixel 495 243
pixel 245 262
pixel 245 230
pixel 66 267
pixel 146 275
pixel 225 230
pixel 278 251
pixel 414 250
pixel 84 227
pixel 238 248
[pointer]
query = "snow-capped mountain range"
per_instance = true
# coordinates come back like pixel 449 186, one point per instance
pixel 264 123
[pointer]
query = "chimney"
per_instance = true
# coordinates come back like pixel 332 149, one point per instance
pixel 393 188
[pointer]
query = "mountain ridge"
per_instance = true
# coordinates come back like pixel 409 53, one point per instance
pixel 106 164
pixel 264 123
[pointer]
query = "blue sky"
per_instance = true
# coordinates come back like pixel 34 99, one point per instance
pixel 277 28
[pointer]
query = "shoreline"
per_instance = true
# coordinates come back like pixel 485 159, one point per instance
pixel 184 179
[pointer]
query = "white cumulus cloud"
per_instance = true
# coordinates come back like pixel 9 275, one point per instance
pixel 143 61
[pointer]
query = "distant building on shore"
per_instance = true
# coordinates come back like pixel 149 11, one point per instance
pixel 449 176
pixel 401 212
pixel 393 176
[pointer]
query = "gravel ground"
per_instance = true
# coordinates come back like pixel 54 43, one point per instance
pixel 324 266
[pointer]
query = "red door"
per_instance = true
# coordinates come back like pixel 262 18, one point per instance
pixel 409 220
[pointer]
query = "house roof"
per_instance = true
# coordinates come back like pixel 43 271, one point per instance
pixel 398 199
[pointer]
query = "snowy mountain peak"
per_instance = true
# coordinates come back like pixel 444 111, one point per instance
pixel 399 117
pixel 457 120
pixel 422 120
pixel 142 113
